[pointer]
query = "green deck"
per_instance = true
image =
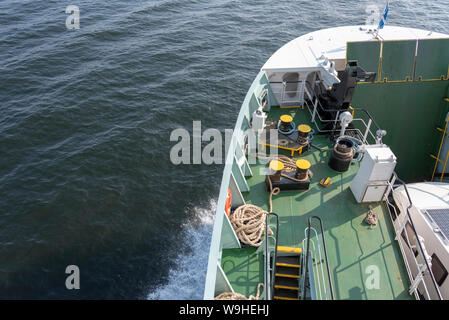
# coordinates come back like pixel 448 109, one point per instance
pixel 244 268
pixel 352 245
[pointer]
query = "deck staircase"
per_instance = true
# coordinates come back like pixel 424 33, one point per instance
pixel 287 273
pixel 290 274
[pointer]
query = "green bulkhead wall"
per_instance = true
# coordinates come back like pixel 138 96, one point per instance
pixel 398 60
pixel 410 111
pixel 366 53
pixel 433 59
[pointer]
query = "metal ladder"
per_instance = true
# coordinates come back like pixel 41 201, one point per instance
pixel 437 158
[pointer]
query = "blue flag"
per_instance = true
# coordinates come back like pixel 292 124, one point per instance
pixel 383 19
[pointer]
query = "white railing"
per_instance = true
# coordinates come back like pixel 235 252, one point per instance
pixel 289 96
pixel 430 290
pixel 316 260
pixel 315 256
pixel 270 256
pixel 366 127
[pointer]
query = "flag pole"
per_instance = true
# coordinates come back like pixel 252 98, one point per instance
pixel 383 20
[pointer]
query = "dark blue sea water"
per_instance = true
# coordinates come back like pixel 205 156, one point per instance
pixel 85 121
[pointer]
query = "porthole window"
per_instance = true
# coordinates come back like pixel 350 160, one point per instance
pixel 438 270
pixel 411 237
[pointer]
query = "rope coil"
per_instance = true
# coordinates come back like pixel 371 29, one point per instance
pixel 238 296
pixel 248 222
pixel 371 217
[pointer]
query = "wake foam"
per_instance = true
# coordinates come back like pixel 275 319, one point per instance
pixel 186 280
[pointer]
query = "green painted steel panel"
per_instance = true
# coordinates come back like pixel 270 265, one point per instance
pixel 398 59
pixel 367 54
pixel 244 269
pixel 410 112
pixel 433 59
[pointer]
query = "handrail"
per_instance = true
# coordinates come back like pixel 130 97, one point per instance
pixel 313 255
pixel 317 104
pixel 336 110
pixel 269 286
pixel 316 97
pixel 309 89
pixel 298 93
pixel 417 238
pixel 306 266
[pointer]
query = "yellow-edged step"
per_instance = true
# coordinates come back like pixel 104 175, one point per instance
pixel 286 287
pixel 280 264
pixel 289 250
pixel 290 261
pixel 284 298
pixel 284 294
pixel 287 272
pixel 286 283
pixel 294 276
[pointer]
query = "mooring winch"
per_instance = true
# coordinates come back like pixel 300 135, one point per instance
pixel 286 126
pixel 288 136
pixel 292 179
pixel 304 136
pixel 342 155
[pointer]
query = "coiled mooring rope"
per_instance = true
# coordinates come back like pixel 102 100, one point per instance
pixel 371 217
pixel 248 222
pixel 238 296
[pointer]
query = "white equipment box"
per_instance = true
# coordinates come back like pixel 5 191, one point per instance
pixel 372 180
pixel 259 118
